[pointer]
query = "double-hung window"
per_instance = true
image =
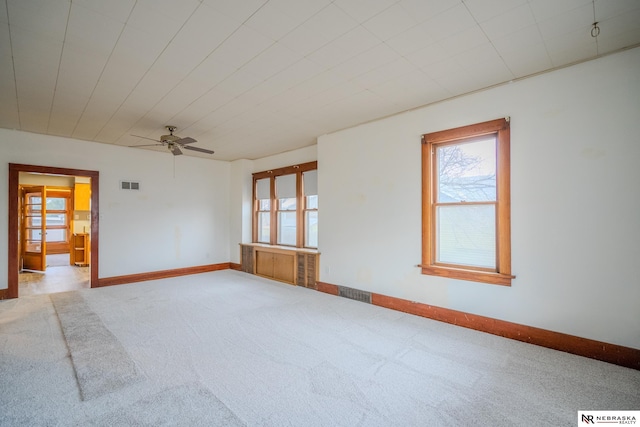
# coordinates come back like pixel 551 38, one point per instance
pixel 286 206
pixel 466 203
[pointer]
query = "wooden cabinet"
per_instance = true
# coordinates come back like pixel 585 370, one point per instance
pixel 295 266
pixel 80 249
pixel 82 195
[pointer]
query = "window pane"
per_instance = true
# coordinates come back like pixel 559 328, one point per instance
pixel 311 233
pixel 287 228
pixel 264 227
pixel 263 188
pixel 56 203
pixel 57 235
pixel 466 235
pixel 286 186
pixel 467 171
pixel 312 202
pixel 287 204
pixel 56 219
pixel 264 205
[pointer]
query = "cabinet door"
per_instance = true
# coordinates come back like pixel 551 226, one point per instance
pixel 82 195
pixel 264 263
pixel 284 267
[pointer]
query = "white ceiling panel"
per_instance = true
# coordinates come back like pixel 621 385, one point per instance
pixel 508 22
pixel 271 21
pixel 301 10
pixel 271 61
pixel 464 41
pixel 374 58
pixel 425 10
pixel 92 31
pixel 239 10
pixel 567 22
pixel 383 74
pixel 256 77
pixel 411 40
pixel 65 112
pixel 525 62
pixel 345 47
pixel 545 9
pixel 363 10
pixel 519 40
pixel 9 117
pixel 47 18
pixel 449 23
pixel 114 9
pixel 242 46
pixel 390 22
pixel 485 10
pixel 178 11
pixel 606 9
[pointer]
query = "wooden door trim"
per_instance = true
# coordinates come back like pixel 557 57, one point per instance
pixel 12 262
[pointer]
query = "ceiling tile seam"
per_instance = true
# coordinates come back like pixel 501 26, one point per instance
pixel 246 63
pixel 544 42
pixel 144 75
pixel 13 63
pixel 194 68
pixel 513 75
pixel 104 67
pixel 55 86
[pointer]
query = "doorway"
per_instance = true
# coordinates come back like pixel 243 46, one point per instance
pixel 33 228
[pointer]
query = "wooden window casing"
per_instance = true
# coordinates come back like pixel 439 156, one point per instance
pixel 501 275
pixel 274 204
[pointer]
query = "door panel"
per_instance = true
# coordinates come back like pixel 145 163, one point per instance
pixel 34 242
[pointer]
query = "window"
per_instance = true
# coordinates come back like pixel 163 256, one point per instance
pixel 466 203
pixel 310 184
pixel 286 206
pixel 263 210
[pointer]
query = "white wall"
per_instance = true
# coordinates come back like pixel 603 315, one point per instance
pixel 289 158
pixel 178 218
pixel 575 202
pixel 240 206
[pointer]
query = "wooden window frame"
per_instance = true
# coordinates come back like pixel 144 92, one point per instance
pixel 306 209
pixel 300 202
pixel 502 273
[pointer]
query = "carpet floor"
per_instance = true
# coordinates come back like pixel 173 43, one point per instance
pixel 230 349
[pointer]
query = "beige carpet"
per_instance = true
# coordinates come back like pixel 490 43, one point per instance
pixel 226 348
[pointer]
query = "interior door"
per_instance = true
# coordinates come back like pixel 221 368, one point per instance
pixel 33 232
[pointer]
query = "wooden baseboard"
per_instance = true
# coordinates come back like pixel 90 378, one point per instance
pixel 611 353
pixel 163 274
pixel 234 266
pixel 4 294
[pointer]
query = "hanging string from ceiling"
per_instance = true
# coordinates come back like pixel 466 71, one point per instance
pixel 595 30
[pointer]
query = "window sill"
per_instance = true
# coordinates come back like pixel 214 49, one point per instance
pixel 281 247
pixel 472 275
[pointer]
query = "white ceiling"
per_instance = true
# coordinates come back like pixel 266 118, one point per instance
pixel 251 78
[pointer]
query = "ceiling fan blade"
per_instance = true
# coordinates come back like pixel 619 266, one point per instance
pixel 176 150
pixel 187 140
pixel 144 137
pixel 202 150
pixel 146 145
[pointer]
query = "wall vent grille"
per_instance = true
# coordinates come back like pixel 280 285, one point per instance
pixel 129 185
pixel 355 294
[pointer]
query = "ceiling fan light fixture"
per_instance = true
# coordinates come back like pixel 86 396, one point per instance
pixel 174 143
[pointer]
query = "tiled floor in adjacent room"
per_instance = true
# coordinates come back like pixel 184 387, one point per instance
pixel 58 277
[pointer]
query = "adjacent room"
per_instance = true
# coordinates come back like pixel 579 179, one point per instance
pixel 276 212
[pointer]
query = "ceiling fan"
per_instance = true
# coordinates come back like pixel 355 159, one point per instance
pixel 174 143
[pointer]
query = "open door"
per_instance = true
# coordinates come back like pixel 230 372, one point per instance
pixel 33 234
